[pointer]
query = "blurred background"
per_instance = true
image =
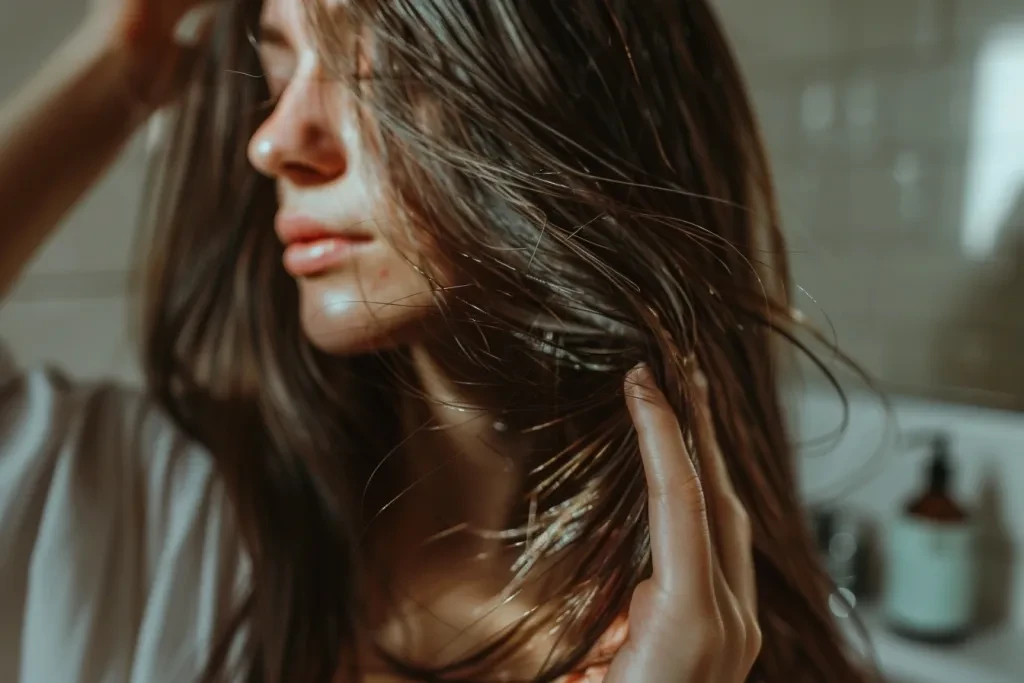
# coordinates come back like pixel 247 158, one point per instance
pixel 897 134
pixel 896 131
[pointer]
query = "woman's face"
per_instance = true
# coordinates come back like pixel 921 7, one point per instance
pixel 358 288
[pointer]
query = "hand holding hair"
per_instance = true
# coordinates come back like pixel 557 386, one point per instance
pixel 695 619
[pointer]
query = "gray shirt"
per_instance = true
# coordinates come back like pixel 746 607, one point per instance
pixel 119 561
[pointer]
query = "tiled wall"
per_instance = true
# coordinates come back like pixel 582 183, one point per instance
pixel 897 132
pixel 897 135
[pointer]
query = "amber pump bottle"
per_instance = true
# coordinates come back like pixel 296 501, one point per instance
pixel 931 560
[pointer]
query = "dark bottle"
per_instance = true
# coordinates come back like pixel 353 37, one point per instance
pixel 931 561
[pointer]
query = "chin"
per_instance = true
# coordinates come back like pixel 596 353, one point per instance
pixel 347 322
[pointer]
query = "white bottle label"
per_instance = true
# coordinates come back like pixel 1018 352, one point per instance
pixel 930 576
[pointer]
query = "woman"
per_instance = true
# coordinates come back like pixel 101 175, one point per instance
pixel 403 255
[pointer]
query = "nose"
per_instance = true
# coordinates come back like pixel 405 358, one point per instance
pixel 300 142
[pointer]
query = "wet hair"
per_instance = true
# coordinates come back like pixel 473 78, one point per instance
pixel 593 173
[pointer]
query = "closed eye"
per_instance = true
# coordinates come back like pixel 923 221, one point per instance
pixel 277 57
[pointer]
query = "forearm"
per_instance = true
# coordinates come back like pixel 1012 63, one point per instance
pixel 58 135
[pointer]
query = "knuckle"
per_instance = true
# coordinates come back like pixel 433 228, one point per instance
pixel 689 489
pixel 684 491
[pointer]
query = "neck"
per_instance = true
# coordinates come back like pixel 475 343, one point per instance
pixel 460 462
pixel 437 584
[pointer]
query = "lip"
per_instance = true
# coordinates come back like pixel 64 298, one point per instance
pixel 313 247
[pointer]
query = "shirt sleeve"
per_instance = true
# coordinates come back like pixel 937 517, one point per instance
pixel 119 558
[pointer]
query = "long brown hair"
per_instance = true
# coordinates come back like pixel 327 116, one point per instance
pixel 594 171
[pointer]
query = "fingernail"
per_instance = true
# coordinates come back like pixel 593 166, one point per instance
pixel 700 379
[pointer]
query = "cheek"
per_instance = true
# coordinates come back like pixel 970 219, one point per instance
pixel 392 278
pixel 376 304
pixel 397 268
pixel 411 262
pixel 384 285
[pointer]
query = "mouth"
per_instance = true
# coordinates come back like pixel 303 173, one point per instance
pixel 313 247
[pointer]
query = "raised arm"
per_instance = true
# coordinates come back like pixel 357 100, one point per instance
pixel 61 131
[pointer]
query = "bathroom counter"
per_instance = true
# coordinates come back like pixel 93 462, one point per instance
pixel 992 656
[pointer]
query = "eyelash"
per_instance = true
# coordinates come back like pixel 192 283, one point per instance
pixel 268 103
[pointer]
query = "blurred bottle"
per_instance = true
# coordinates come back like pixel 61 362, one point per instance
pixel 930 572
